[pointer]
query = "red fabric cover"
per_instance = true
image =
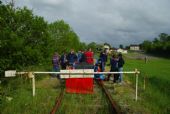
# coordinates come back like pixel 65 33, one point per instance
pixel 89 57
pixel 79 85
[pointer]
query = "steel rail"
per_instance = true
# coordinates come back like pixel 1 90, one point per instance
pixel 58 102
pixel 114 106
pixel 115 109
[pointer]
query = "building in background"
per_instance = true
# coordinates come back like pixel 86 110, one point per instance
pixel 123 51
pixel 134 47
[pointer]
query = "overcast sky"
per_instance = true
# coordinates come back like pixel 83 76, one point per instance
pixel 113 21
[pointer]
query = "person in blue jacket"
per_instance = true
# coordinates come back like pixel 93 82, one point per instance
pixel 72 58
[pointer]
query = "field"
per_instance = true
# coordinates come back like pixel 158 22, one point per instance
pixel 156 73
pixel 16 94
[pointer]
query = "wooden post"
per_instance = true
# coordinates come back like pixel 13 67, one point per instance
pixel 144 82
pixel 136 74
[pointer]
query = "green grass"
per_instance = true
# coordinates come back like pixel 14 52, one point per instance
pixel 47 89
pixel 95 103
pixel 16 93
pixel 22 100
pixel 124 95
pixel 157 72
pixel 154 99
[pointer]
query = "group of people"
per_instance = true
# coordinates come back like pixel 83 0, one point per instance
pixel 73 60
pixel 116 65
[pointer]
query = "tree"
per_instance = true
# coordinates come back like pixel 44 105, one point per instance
pixel 159 46
pixel 146 45
pixel 121 46
pixel 24 38
pixel 93 46
pixel 163 37
pixel 64 37
pixel 83 46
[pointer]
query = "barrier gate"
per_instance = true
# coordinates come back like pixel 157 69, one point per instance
pixel 76 79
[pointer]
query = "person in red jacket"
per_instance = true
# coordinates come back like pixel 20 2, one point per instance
pixel 89 56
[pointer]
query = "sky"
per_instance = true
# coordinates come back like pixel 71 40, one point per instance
pixel 113 21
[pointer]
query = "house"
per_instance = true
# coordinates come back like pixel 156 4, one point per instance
pixel 119 50
pixel 134 47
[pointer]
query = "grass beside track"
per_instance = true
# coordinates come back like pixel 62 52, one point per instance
pixel 18 99
pixel 156 73
pixel 95 103
pixel 16 94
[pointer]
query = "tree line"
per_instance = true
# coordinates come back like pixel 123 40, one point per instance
pixel 27 39
pixel 159 46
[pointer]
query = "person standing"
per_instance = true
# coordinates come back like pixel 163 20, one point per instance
pixel 103 57
pixel 79 56
pixel 121 62
pixel 72 58
pixel 83 58
pixel 114 68
pixel 63 61
pixel 89 56
pixel 56 63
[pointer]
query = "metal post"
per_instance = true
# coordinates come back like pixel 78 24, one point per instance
pixel 136 74
pixel 31 75
pixel 33 85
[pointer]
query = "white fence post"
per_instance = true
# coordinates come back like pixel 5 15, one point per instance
pixel 33 85
pixel 31 75
pixel 136 74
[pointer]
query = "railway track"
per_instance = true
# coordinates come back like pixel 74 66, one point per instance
pixel 100 102
pixel 115 109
